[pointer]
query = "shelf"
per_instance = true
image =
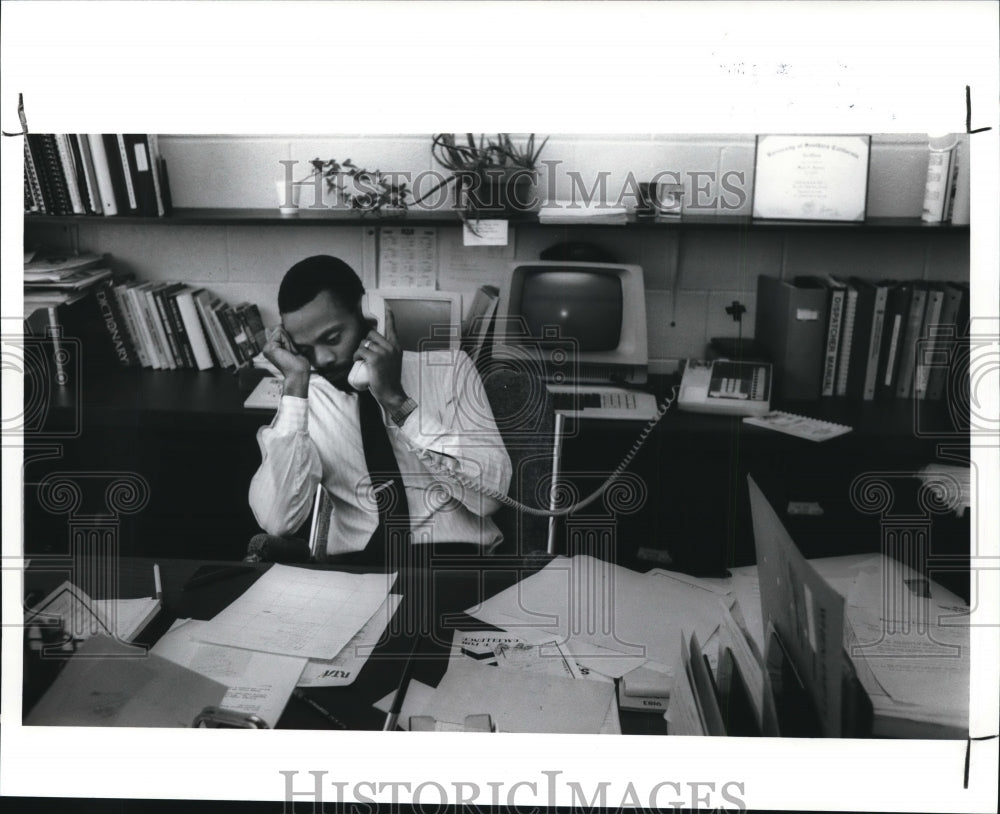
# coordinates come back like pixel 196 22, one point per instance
pixel 449 217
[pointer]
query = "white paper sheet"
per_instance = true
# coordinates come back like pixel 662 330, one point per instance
pixel 927 667
pixel 408 257
pixel 343 668
pixel 597 606
pixel 521 702
pixel 506 651
pixel 299 612
pixel 257 683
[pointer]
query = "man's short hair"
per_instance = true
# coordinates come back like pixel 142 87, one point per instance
pixel 307 278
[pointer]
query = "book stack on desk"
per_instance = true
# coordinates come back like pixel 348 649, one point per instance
pixel 125 323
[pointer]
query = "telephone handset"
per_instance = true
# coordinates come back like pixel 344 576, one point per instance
pixel 372 310
pixel 374 307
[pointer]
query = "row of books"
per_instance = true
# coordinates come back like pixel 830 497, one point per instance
pixel 172 325
pixel 95 174
pixel 162 325
pixel 860 339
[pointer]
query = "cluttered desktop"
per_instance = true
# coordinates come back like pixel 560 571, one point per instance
pixel 714 607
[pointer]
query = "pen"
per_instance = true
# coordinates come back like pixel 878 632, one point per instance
pixel 156 581
pixel 320 710
pixel 217 575
pixel 397 700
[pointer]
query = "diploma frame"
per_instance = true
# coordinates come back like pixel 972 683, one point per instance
pixel 830 183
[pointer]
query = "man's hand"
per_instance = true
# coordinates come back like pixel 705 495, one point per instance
pixel 384 358
pixel 280 352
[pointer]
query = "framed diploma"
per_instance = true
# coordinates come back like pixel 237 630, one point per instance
pixel 811 177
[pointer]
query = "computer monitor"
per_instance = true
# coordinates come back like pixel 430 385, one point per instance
pixel 425 319
pixel 586 321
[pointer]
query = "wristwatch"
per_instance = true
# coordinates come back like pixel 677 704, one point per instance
pixel 399 416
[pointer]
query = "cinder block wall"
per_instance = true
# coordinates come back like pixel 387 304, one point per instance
pixel 691 274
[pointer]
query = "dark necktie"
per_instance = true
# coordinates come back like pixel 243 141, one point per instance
pixel 390 543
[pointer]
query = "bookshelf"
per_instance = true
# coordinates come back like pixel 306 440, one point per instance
pixel 327 217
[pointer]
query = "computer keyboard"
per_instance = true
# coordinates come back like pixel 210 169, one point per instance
pixel 590 401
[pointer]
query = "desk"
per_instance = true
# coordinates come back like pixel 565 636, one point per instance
pixel 452 585
pixel 694 506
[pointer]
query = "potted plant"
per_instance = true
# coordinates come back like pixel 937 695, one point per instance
pixel 494 175
pixel 368 191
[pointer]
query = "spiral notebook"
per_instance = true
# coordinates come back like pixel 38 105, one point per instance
pixel 798 425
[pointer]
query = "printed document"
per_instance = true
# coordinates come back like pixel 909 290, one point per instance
pixel 299 612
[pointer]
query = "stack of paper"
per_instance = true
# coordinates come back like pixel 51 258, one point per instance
pixel 256 683
pixel 106 683
pixel 343 668
pixel 83 617
pixel 299 612
pixel 292 626
pixel 610 618
pixel 694 707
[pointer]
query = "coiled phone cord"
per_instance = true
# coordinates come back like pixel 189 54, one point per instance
pixel 615 475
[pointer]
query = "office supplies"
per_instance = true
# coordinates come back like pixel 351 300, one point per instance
pixel 685 714
pixel 859 335
pixel 256 683
pixel 392 718
pixel 520 702
pixel 740 675
pixel 343 668
pixel 806 613
pixel 836 296
pixel 299 612
pixel 812 429
pixel 95 690
pixel 216 718
pixel 217 575
pixel 472 723
pixel 82 617
pixel 508 652
pixel 127 618
pixel 266 395
pixel 320 710
pixel 724 387
pixel 897 310
pixel 646 688
pixel 594 213
pixel 914 323
pixel 790 324
pixel 638 618
pixel 704 688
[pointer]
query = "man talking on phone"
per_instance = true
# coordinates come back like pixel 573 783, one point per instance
pixel 409 460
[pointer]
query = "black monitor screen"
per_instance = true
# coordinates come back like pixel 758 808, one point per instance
pixel 418 320
pixel 586 306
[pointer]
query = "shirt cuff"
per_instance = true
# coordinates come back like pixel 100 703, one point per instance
pixel 422 432
pixel 293 415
